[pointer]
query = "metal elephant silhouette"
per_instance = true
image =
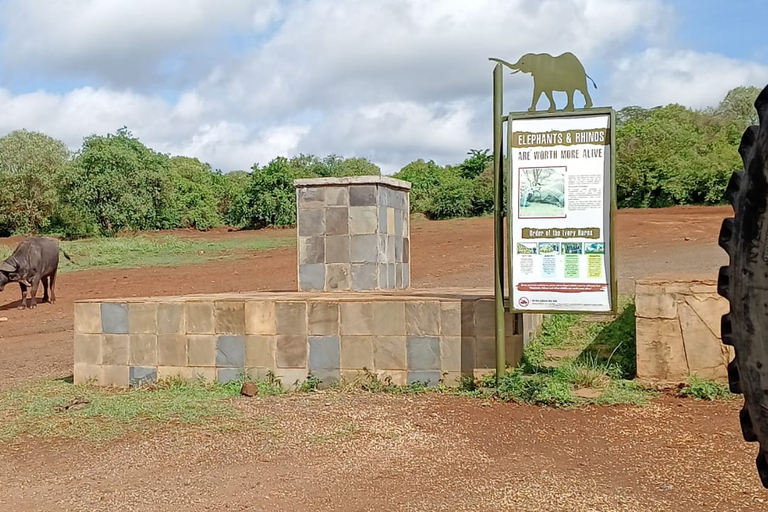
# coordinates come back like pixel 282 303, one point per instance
pixel 563 73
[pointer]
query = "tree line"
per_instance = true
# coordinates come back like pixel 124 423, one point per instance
pixel 669 155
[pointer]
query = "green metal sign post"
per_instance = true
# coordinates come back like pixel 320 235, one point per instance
pixel 559 173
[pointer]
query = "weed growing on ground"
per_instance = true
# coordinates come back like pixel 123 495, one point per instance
pixel 703 389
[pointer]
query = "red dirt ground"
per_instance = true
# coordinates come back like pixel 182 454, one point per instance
pixel 395 453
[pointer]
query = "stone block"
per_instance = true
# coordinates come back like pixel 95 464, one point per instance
pixel 450 354
pixel 260 317
pixel 706 354
pixel 389 353
pixel 85 373
pixel 362 195
pixel 337 249
pixel 230 317
pixel 451 379
pixel 381 248
pixel 485 352
pixel 648 289
pixel 390 276
pixel 393 377
pixel 660 351
pixel 363 220
pixel 310 197
pixel 170 318
pixel 337 221
pixel 710 309
pixel 423 353
pixel 291 351
pixel 88 318
pixel 398 249
pixel 142 350
pixel 114 350
pixel 363 276
pixel 311 250
pixel 337 276
pixel 406 250
pixel 139 375
pixel 422 318
pixel 201 350
pixel 327 376
pixel 260 351
pixel 172 372
pixel 398 218
pixel 312 277
pixel 383 226
pixel 406 275
pixel 430 379
pixel 113 375
pixel 392 221
pixel 226 375
pixel 114 318
pixel 205 374
pixel 323 318
pixel 324 353
pixel 291 378
pixel 291 317
pixel 356 318
pixel 656 306
pixel 363 249
pixel 171 350
pixel 199 318
pixel 468 355
pixel 391 240
pixel 142 318
pixel 230 351
pixel 450 318
pixel 311 222
pixel 88 348
pixel 485 317
pixel 357 352
pixel 336 196
pixel 398 275
pixel 383 270
pixel 389 318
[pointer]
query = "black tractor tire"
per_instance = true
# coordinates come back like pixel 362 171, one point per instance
pixel 744 282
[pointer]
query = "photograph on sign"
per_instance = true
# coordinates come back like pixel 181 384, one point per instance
pixel 560 202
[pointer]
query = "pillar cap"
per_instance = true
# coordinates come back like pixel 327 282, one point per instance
pixel 353 180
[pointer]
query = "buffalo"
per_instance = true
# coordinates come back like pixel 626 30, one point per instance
pixel 35 260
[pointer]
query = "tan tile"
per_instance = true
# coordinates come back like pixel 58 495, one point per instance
pixel 485 318
pixel 88 348
pixel 395 377
pixel 142 318
pixel 513 349
pixel 260 351
pixel 88 318
pixel 468 355
pixel 170 318
pixel 172 350
pixel 451 379
pixel 389 353
pixel 291 317
pixel 485 352
pixel 291 351
pixel 337 276
pixel 206 374
pixel 230 317
pixel 199 318
pixel 291 378
pixel 323 318
pixel 142 350
pixel 450 318
pixel 389 318
pixel 114 376
pixel 422 318
pixel 450 354
pixel 201 350
pixel 168 372
pixel 85 373
pixel 356 318
pixel 260 317
pixel 356 352
pixel 114 349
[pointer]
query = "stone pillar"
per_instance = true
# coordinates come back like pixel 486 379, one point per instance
pixel 353 233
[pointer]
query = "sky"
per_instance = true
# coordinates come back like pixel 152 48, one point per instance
pixel 240 82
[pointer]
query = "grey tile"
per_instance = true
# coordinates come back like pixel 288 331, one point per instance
pixel 328 377
pixel 423 353
pixel 362 195
pixel 382 219
pixel 312 277
pixel 398 231
pixel 406 250
pixel 381 248
pixel 225 375
pixel 383 278
pixel 311 197
pixel 337 249
pixel 398 249
pixel 363 276
pixel 170 318
pixel 398 275
pixel 138 375
pixel 291 351
pixel 312 222
pixel 230 351
pixel 363 249
pixel 291 317
pixel 311 250
pixel 324 353
pixel 383 196
pixel 337 220
pixel 337 276
pixel 390 276
pixel 114 318
pixel 391 249
pixel 363 220
pixel 336 196
pixel 430 379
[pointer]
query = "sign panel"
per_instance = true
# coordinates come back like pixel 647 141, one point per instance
pixel 560 211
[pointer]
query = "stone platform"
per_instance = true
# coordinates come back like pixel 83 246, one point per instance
pixel 678 330
pixel 430 336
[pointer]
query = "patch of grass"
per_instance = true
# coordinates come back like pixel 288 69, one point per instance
pixel 59 409
pixel 703 389
pixel 144 251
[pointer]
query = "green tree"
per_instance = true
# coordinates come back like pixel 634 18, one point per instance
pixel 478 162
pixel 29 165
pixel 233 198
pixel 425 179
pixel 198 191
pixel 739 106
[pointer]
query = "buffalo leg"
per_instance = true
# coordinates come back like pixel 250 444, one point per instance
pixel 23 295
pixel 46 297
pixel 53 287
pixel 33 292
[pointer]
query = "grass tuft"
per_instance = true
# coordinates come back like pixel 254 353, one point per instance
pixel 703 389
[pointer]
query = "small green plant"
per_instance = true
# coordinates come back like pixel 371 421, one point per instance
pixel 703 389
pixel 312 383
